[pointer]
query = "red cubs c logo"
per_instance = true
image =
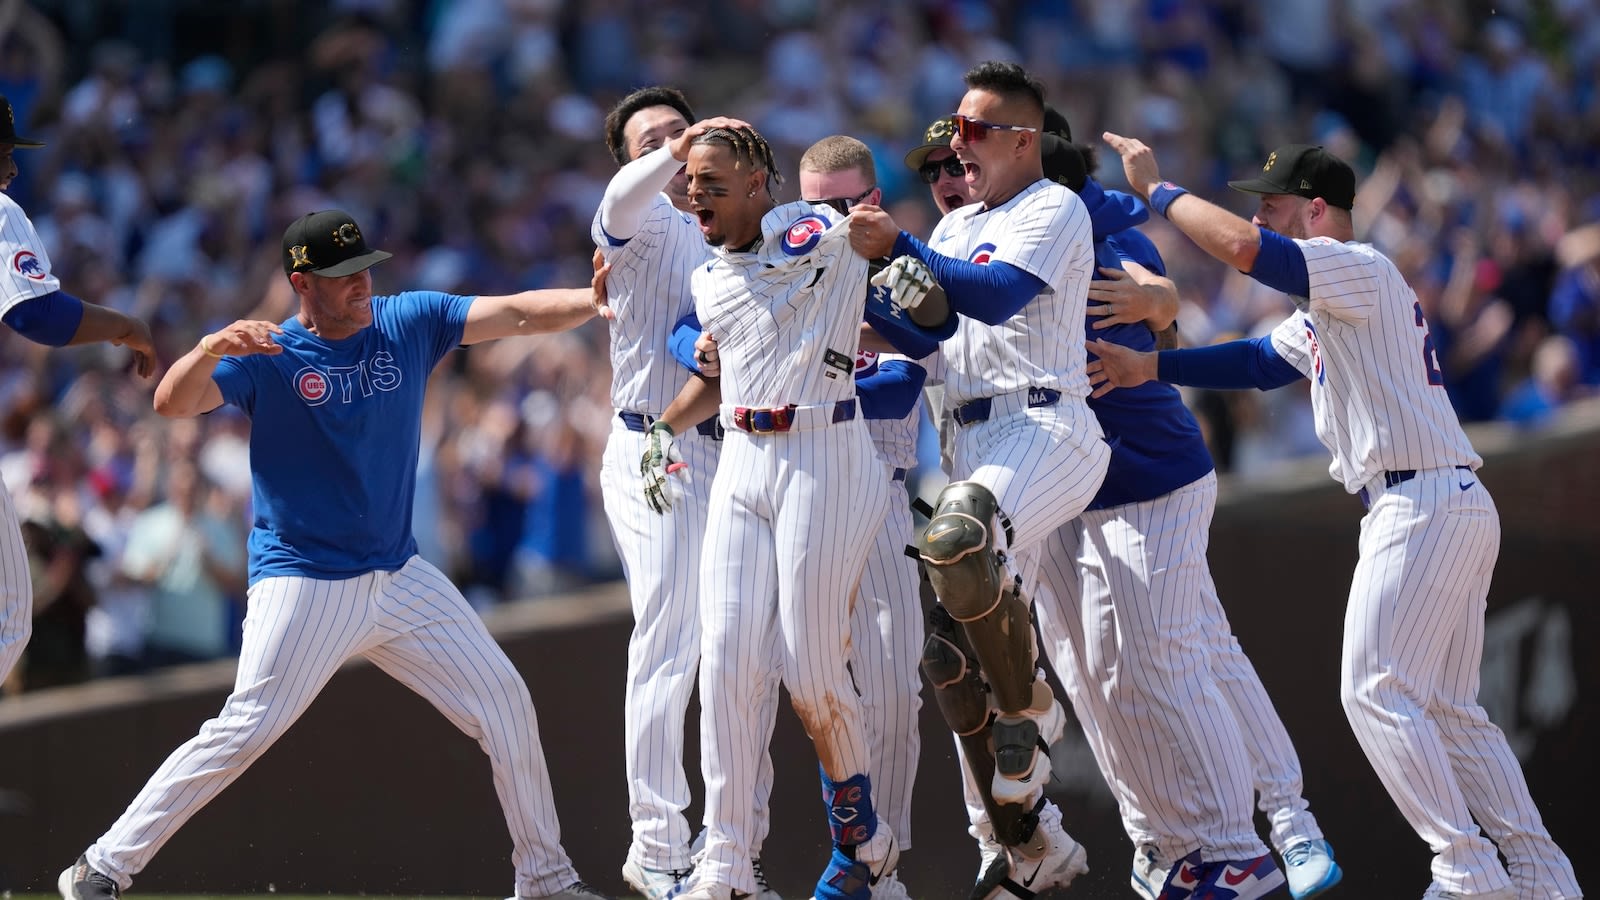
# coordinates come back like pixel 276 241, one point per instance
pixel 312 386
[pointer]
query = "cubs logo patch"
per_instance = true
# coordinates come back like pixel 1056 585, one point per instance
pixel 982 254
pixel 1316 353
pixel 26 263
pixel 866 361
pixel 312 386
pixel 802 236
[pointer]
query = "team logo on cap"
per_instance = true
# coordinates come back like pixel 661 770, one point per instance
pixel 1271 158
pixel 312 386
pixel 299 256
pixel 27 264
pixel 347 235
pixel 803 236
pixel 939 132
pixel 983 254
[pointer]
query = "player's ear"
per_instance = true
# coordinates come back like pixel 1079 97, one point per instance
pixel 757 181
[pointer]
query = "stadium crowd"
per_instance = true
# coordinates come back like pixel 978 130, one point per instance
pixel 466 136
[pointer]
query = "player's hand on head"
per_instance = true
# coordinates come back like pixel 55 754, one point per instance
pixel 705 354
pixel 1116 299
pixel 680 144
pixel 1118 366
pixel 660 460
pixel 1138 162
pixel 908 280
pixel 597 284
pixel 872 231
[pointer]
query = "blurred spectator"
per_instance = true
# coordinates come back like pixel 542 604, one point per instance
pixel 1553 383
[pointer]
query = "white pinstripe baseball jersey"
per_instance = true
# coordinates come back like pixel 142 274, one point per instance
pixel 1376 391
pixel 649 292
pixel 1044 230
pixel 27 266
pixel 795 340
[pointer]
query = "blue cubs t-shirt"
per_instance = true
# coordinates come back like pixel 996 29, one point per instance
pixel 335 427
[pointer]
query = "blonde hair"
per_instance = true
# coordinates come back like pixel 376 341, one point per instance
pixel 839 153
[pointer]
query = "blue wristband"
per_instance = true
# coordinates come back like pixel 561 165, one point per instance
pixel 1163 195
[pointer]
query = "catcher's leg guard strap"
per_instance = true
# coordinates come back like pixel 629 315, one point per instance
pixel 950 667
pixel 851 818
pixel 958 546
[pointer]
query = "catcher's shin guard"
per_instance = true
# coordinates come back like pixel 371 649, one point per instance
pixel 1014 824
pixel 970 579
pixel 952 669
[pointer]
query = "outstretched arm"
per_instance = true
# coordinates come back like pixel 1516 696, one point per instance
pixel 537 312
pixel 188 388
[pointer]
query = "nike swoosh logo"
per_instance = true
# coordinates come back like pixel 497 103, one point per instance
pixel 936 535
pixel 1235 880
pixel 1467 486
pixel 1028 882
pixel 1186 877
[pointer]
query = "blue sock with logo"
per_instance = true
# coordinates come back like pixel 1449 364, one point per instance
pixel 851 817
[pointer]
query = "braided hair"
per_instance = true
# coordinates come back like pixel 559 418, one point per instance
pixel 748 146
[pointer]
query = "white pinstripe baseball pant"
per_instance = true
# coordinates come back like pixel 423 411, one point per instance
pixel 411 623
pixel 16 587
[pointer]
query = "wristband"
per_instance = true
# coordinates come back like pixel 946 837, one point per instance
pixel 1163 195
pixel 206 348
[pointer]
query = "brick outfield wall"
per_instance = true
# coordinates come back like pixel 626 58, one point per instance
pixel 372 791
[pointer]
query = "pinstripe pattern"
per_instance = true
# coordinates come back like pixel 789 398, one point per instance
pixel 24 266
pixel 1414 629
pixel 648 287
pixel 661 561
pixel 792 517
pixel 414 625
pixel 16 587
pixel 886 634
pixel 1120 605
pixel 1360 342
pixel 1043 230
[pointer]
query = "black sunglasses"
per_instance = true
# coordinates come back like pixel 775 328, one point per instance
pixel 843 204
pixel 950 165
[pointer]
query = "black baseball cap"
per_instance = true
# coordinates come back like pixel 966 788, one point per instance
pixel 329 244
pixel 1063 163
pixel 8 128
pixel 1305 170
pixel 936 137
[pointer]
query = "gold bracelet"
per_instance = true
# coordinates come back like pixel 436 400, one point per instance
pixel 206 349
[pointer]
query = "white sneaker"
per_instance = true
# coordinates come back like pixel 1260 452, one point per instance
pixel 654 884
pixel 881 854
pixel 1310 868
pixel 890 888
pixel 1064 858
pixel 1012 734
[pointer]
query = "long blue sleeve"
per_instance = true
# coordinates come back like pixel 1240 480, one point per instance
pixel 1281 264
pixel 51 319
pixel 893 391
pixel 1235 365
pixel 681 343
pixel 990 292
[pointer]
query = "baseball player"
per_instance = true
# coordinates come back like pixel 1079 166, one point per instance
pixel 1414 625
pixel 35 306
pixel 651 242
pixel 1016 263
pixel 335 396
pixel 794 505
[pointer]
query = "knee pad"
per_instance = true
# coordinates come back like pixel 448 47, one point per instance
pixel 959 547
pixel 953 672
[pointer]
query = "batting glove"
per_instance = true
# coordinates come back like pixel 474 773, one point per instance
pixel 908 280
pixel 661 458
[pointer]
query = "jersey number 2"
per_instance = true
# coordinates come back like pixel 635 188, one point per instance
pixel 1430 357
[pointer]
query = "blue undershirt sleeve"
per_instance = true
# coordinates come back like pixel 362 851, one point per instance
pixel 893 391
pixel 990 292
pixel 681 343
pixel 1281 265
pixel 51 320
pixel 1234 365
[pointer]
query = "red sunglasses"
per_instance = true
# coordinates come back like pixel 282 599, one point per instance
pixel 970 130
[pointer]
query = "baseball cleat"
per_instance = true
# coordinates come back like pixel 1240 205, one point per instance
pixel 1310 869
pixel 1156 879
pixel 890 888
pixel 578 891
pixel 1013 874
pixel 654 884
pixel 80 881
pixel 1241 879
pixel 764 889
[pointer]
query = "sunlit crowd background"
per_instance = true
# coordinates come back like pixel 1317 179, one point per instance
pixel 465 136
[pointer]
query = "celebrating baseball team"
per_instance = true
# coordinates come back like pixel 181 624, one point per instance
pixel 769 366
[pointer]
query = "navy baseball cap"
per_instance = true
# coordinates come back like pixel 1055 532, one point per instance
pixel 1305 170
pixel 8 128
pixel 1063 163
pixel 329 244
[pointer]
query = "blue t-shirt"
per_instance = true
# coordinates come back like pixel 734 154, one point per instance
pixel 1156 444
pixel 335 427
